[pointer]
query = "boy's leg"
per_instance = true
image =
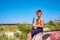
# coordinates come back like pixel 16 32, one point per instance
pixel 29 36
pixel 34 32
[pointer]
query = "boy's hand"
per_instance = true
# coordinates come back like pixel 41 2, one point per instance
pixel 34 25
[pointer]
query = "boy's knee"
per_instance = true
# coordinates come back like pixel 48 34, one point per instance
pixel 29 34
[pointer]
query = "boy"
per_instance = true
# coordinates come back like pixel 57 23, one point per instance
pixel 38 27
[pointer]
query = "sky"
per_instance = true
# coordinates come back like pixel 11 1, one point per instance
pixel 23 11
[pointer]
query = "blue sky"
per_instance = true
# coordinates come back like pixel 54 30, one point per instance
pixel 21 11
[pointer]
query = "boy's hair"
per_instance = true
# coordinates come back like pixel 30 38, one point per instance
pixel 39 11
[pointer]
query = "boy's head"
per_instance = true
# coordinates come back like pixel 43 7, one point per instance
pixel 39 13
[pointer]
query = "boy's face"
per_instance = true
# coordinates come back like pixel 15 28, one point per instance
pixel 39 14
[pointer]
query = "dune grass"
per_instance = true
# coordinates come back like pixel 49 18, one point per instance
pixel 24 28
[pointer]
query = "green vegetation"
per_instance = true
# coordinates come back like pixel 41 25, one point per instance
pixel 53 25
pixel 24 29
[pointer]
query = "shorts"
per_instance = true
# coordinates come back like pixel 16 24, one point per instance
pixel 36 31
